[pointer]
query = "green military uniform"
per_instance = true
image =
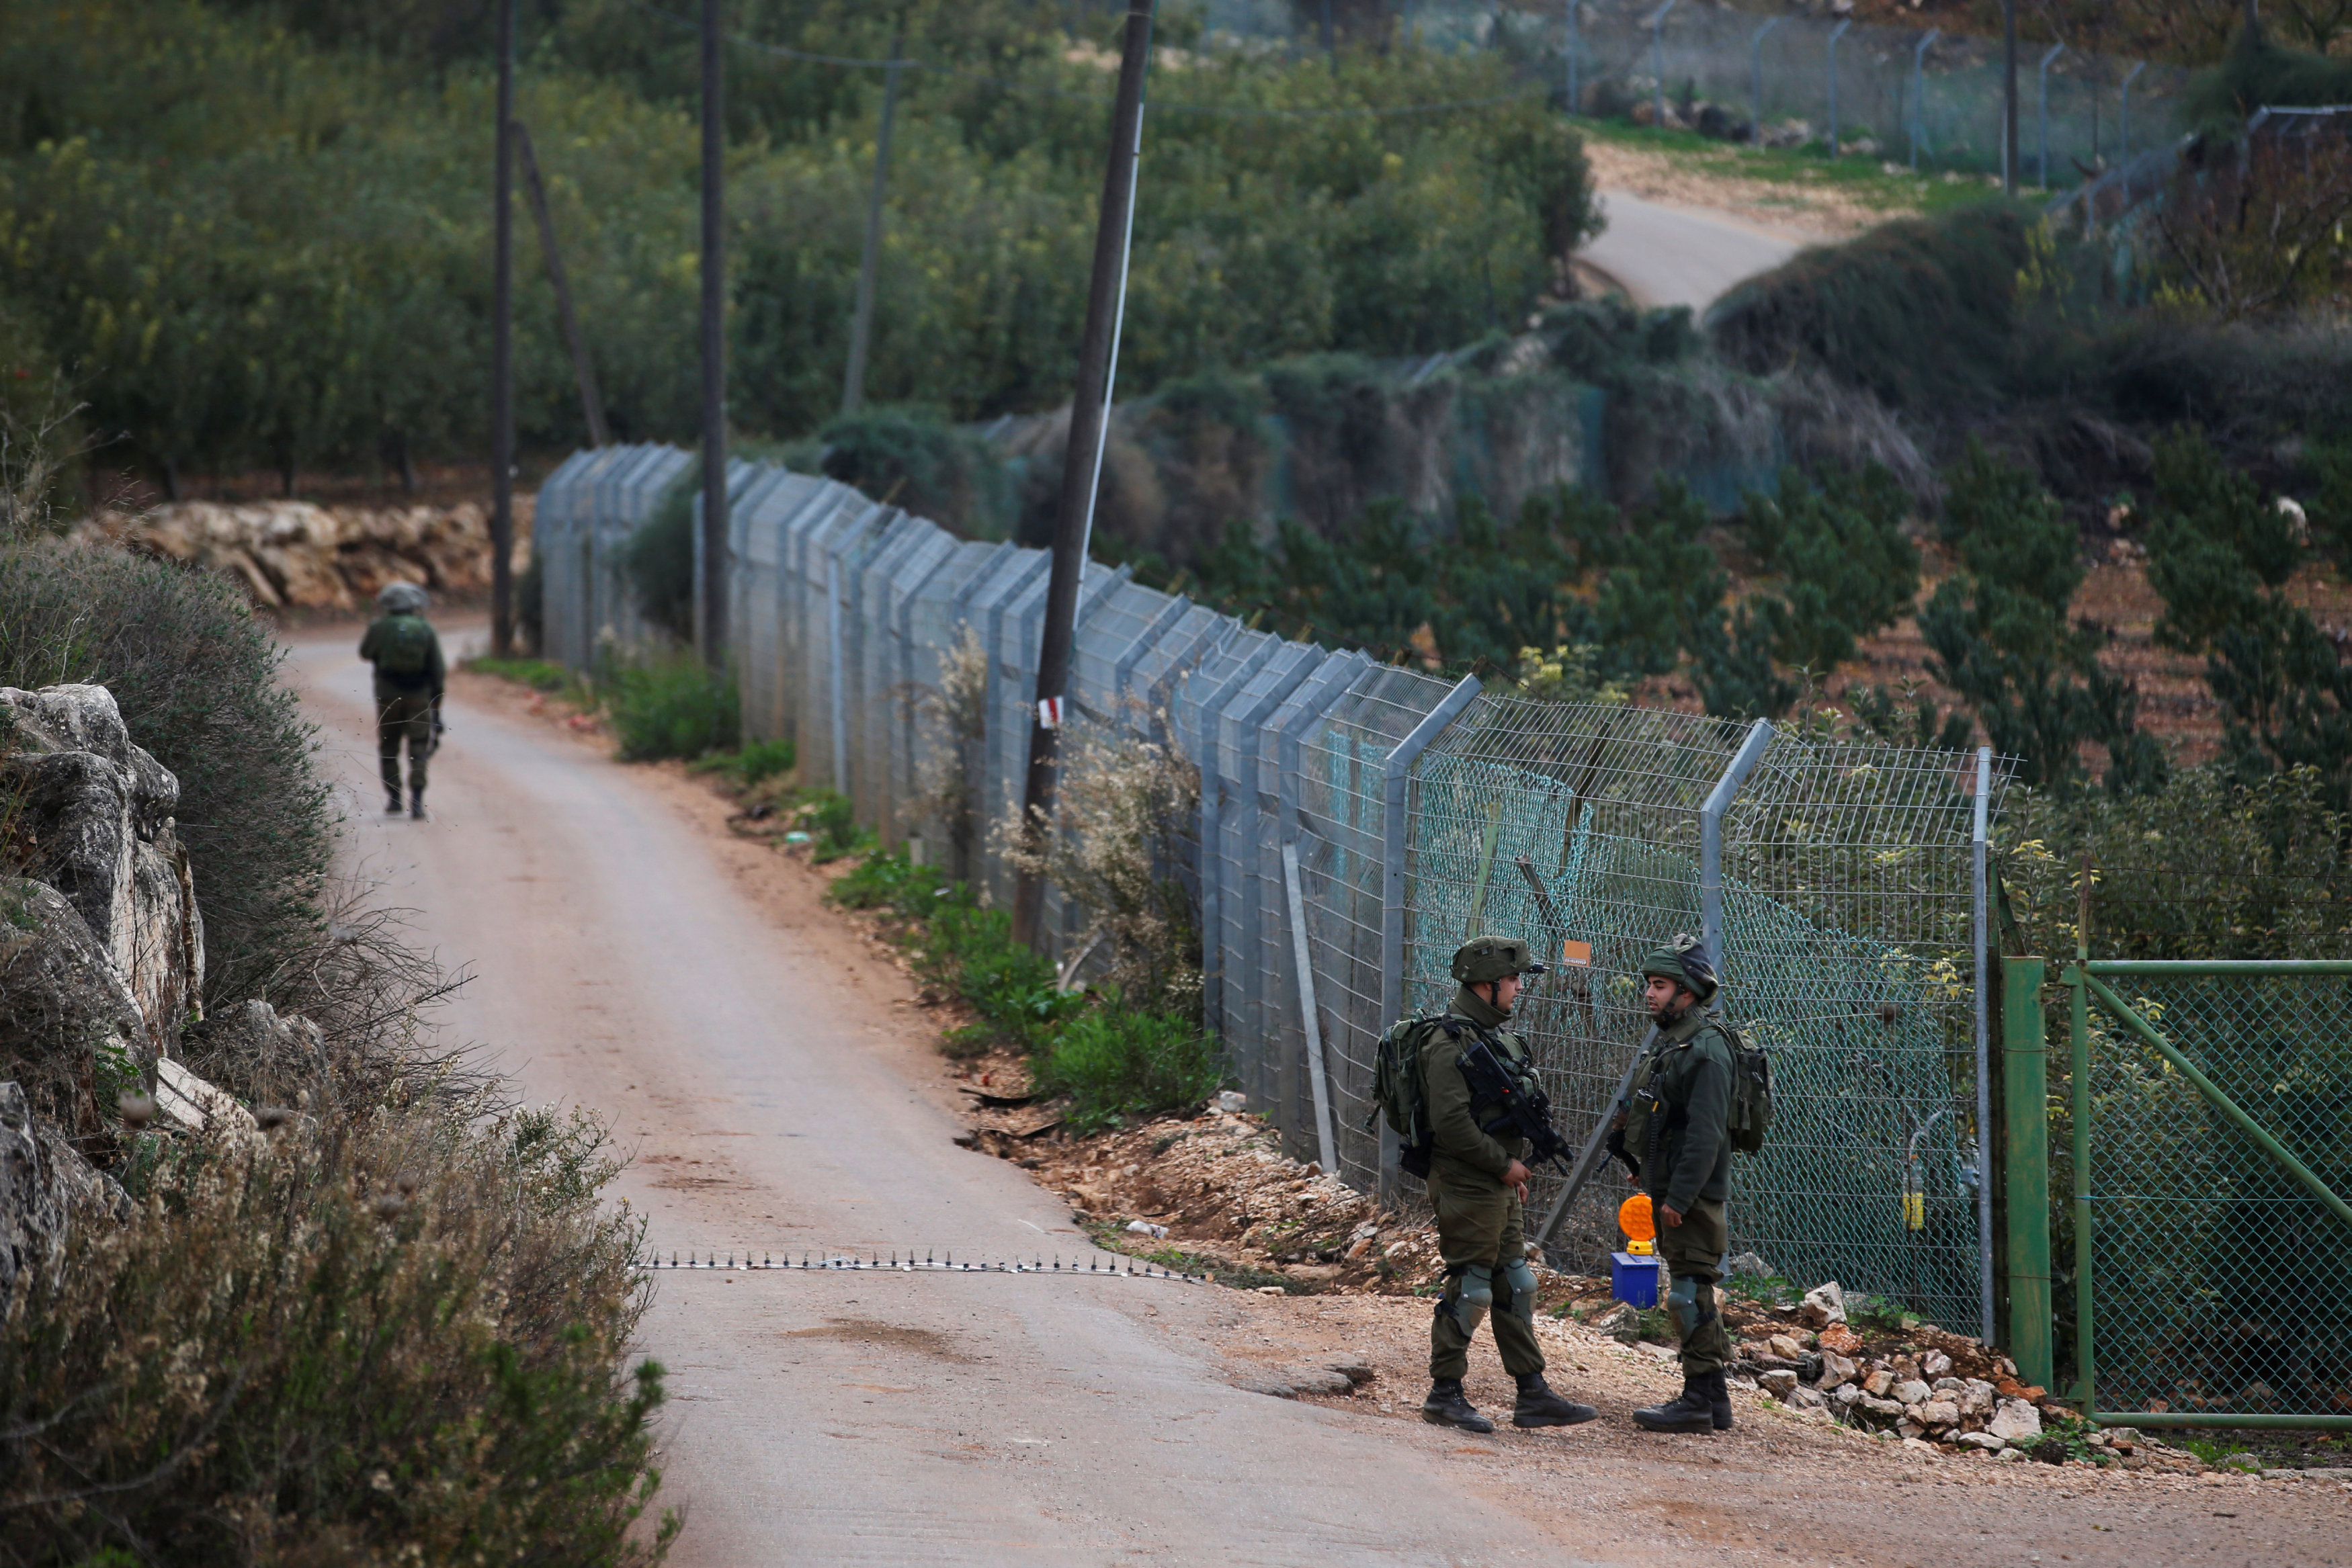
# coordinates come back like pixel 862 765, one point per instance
pixel 409 678
pixel 1481 1224
pixel 1678 1125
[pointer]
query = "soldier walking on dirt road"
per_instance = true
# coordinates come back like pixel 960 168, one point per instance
pixel 409 677
pixel 1478 1186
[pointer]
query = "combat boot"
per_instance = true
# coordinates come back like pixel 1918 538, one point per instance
pixel 415 805
pixel 1692 1410
pixel 392 804
pixel 1448 1407
pixel 1537 1405
pixel 1718 1395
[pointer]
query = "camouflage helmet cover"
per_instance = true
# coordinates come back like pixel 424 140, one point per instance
pixel 1484 958
pixel 401 599
pixel 1683 960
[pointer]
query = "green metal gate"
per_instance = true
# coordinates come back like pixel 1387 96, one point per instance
pixel 2211 1112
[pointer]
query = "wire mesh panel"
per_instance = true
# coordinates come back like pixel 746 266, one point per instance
pixel 2220 1279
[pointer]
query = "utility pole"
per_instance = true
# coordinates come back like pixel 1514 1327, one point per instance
pixel 2009 97
pixel 713 586
pixel 1082 463
pixel 502 419
pixel 861 331
pixel 592 403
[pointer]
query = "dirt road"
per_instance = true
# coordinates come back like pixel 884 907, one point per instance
pixel 762 1064
pixel 1668 254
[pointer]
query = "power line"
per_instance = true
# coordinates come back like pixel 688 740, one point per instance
pixel 1011 84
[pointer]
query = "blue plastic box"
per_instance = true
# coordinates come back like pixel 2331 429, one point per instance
pixel 1633 1279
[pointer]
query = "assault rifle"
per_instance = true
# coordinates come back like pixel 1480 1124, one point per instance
pixel 1525 1110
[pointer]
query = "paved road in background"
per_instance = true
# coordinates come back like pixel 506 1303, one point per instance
pixel 841 1418
pixel 1680 256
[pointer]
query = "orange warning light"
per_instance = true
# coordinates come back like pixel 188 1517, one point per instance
pixel 1634 1218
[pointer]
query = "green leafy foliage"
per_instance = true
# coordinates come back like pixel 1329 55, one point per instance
pixel 830 818
pixel 659 557
pixel 196 677
pixel 183 183
pixel 670 705
pixel 2001 635
pixel 1119 1066
pixel 913 458
pixel 2220 556
pixel 396 1339
pixel 539 675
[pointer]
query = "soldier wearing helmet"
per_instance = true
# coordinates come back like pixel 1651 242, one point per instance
pixel 1479 1186
pixel 1676 1125
pixel 409 677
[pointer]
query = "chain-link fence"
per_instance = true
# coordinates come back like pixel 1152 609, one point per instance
pixel 1369 817
pixel 2211 1114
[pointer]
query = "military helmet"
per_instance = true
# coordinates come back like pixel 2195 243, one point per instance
pixel 1683 960
pixel 1484 958
pixel 401 599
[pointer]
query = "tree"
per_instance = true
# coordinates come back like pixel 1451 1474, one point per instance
pixel 2220 558
pixel 2001 635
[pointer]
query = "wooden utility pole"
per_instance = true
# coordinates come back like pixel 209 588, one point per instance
pixel 592 404
pixel 1082 462
pixel 861 329
pixel 712 621
pixel 2009 97
pixel 502 419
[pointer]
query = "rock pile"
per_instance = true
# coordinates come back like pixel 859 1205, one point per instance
pixel 296 555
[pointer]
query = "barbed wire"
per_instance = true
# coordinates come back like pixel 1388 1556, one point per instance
pixel 1013 84
pixel 941 1263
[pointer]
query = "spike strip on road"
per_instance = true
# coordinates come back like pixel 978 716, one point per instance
pixel 816 1262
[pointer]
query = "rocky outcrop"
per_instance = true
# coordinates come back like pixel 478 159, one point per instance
pixel 92 818
pixel 294 554
pixel 64 1009
pixel 270 1057
pixel 45 1185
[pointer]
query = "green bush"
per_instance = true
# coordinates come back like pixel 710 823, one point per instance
pixel 670 704
pixel 893 882
pixel 398 1339
pixel 659 557
pixel 914 459
pixel 1010 988
pixel 1119 1066
pixel 196 677
pixel 539 675
pixel 830 819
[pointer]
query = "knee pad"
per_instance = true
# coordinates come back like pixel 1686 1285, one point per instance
pixel 1682 1305
pixel 1471 1296
pixel 1519 1279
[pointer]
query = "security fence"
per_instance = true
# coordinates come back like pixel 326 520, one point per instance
pixel 1358 819
pixel 2209 1114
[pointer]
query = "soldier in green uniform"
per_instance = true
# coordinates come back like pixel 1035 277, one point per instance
pixel 409 675
pixel 1678 1125
pixel 1479 1186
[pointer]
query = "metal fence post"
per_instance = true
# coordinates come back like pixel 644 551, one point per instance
pixel 2123 121
pixel 1979 848
pixel 1710 835
pixel 2025 1138
pixel 1575 38
pixel 840 702
pixel 1327 1143
pixel 1658 63
pixel 2041 92
pixel 1396 775
pixel 2079 1069
pixel 1919 94
pixel 1835 34
pixel 1756 82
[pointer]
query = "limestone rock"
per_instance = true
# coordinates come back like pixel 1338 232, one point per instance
pixel 46 1189
pixel 1940 1415
pixel 1784 1347
pixel 1822 1305
pixel 1977 1397
pixel 2014 1421
pixel 191 1105
pixel 1836 1369
pixel 1804 1399
pixel 1879 1383
pixel 1886 1409
pixel 1779 1385
pixel 1911 1391
pixel 1985 1440
pixel 1935 1364
pixel 64 1009
pixel 97 811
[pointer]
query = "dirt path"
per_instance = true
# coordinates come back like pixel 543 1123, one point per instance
pixel 635 957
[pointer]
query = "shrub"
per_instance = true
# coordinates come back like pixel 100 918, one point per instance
pixel 1118 1065
pixel 539 675
pixel 196 677
pixel 759 761
pixel 911 458
pixel 659 557
pixel 391 1340
pixel 670 704
pixel 892 882
pixel 1010 988
pixel 831 821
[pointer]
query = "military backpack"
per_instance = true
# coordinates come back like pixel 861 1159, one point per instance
pixel 1398 1095
pixel 406 648
pixel 1751 1094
